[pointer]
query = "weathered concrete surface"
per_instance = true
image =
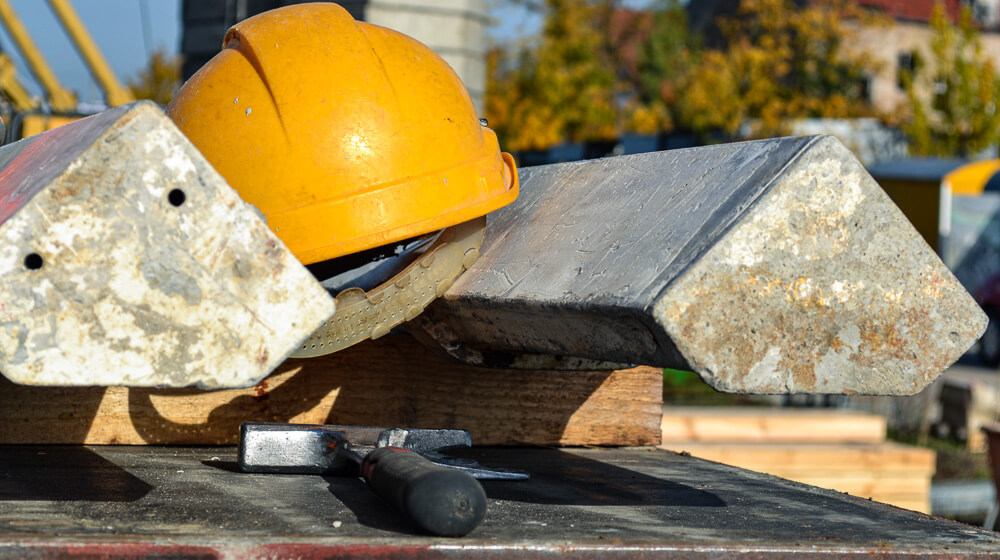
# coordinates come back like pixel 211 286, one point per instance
pixel 125 259
pixel 776 266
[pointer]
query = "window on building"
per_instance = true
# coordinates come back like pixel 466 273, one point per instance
pixel 906 66
pixel 867 86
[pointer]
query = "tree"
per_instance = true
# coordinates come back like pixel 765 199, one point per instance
pixel 159 80
pixel 561 88
pixel 953 99
pixel 666 54
pixel 780 63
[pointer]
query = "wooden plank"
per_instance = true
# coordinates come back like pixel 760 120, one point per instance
pixel 917 498
pixel 393 381
pixel 774 266
pixel 921 505
pixel 849 472
pixel 769 425
pixel 885 456
pixel 865 486
pixel 886 472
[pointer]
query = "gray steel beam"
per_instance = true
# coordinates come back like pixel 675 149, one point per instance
pixel 775 266
pixel 125 259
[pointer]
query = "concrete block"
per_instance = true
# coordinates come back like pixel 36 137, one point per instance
pixel 775 266
pixel 125 259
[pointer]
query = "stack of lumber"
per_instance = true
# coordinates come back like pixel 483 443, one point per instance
pixel 842 450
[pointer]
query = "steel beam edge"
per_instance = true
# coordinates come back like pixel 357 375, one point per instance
pixel 126 259
pixel 772 266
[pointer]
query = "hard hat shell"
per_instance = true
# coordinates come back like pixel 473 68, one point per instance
pixel 345 135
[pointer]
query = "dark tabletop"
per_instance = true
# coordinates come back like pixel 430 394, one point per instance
pixel 173 502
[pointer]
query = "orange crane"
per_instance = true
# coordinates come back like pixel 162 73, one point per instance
pixel 29 116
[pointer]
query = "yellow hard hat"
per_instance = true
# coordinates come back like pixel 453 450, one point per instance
pixel 345 135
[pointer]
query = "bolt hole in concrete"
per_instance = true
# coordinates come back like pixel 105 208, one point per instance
pixel 176 197
pixel 33 261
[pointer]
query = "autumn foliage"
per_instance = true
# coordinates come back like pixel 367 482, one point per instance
pixel 780 63
pixel 953 97
pixel 159 80
pixel 773 62
pixel 562 87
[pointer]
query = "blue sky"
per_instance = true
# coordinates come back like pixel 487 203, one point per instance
pixel 117 27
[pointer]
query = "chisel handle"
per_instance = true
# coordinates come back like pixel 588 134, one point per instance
pixel 439 500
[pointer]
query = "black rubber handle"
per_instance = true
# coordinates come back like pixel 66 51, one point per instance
pixel 439 500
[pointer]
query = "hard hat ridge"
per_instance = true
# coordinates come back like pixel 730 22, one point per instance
pixel 346 135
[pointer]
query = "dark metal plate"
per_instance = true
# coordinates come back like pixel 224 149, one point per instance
pixel 193 503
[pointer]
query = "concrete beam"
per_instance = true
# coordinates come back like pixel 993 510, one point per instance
pixel 775 266
pixel 125 259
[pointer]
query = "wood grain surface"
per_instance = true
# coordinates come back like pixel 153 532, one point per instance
pixel 687 424
pixel 886 472
pixel 393 381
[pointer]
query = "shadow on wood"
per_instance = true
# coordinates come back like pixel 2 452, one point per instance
pixel 393 381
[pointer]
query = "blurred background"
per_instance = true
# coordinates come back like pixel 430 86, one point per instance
pixel 910 86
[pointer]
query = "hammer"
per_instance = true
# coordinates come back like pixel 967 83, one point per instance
pixel 405 467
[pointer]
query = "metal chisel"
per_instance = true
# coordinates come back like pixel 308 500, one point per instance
pixel 439 494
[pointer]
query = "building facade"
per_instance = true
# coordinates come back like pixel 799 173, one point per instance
pixel 894 49
pixel 455 29
pixel 897 48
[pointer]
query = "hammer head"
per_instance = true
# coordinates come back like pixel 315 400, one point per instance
pixel 293 449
